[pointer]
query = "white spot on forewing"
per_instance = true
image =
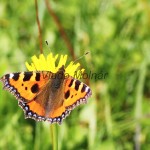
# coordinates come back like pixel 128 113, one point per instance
pixel 11 75
pixel 86 89
pixel 6 83
pixel 26 108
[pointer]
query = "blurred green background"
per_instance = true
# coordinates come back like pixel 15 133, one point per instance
pixel 117 34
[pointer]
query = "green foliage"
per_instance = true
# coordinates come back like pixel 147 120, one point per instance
pixel 117 35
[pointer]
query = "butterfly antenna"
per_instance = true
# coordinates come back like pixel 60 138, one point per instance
pixel 82 56
pixel 47 44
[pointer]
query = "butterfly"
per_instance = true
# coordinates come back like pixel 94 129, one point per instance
pixel 46 96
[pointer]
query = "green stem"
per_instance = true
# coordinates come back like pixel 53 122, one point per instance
pixel 108 117
pixel 37 136
pixel 54 135
pixel 138 104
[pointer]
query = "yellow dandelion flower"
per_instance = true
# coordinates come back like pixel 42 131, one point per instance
pixel 49 64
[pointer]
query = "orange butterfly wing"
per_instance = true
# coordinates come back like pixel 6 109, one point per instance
pixel 76 92
pixel 37 112
pixel 24 85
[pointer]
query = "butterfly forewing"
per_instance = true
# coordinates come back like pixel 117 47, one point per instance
pixel 76 92
pixel 25 85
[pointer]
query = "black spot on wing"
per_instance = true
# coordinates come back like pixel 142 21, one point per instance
pixel 77 84
pixel 71 83
pixel 89 90
pixel 67 94
pixel 16 76
pixel 37 78
pixel 6 76
pixel 35 88
pixel 83 88
pixel 27 76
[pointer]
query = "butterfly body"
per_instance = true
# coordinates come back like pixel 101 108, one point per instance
pixel 46 96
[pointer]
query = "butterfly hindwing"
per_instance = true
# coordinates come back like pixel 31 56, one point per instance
pixel 35 111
